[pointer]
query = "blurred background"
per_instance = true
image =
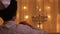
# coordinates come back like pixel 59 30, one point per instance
pixel 43 14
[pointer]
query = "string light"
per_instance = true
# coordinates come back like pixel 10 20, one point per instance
pixel 26 17
pixel 48 7
pixel 40 9
pixel 25 7
pixel 38 26
pixel 49 16
pixel 41 26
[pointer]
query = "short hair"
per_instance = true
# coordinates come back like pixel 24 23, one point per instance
pixel 10 11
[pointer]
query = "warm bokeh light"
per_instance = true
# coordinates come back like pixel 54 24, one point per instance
pixel 58 27
pixel 48 7
pixel 40 26
pixel 26 17
pixel 49 16
pixel 25 7
pixel 58 23
pixel 40 9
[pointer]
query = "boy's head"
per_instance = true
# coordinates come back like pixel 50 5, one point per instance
pixel 10 11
